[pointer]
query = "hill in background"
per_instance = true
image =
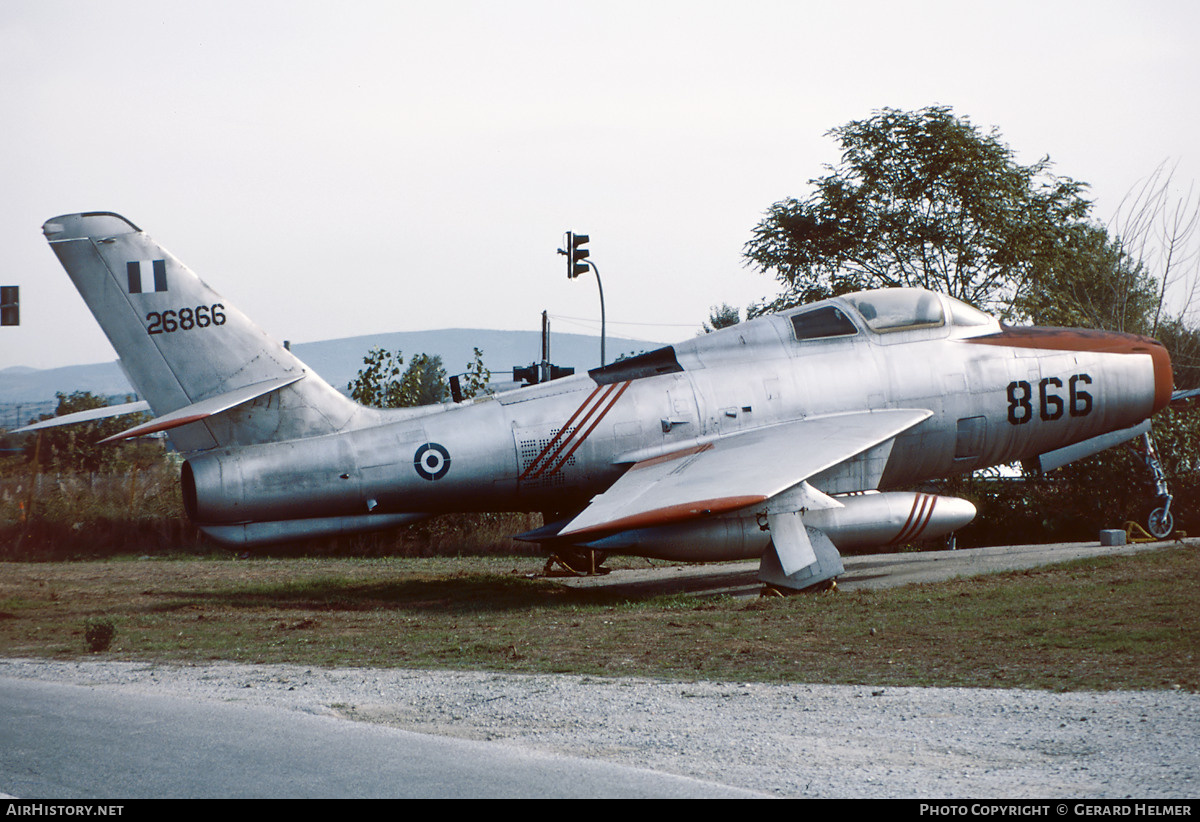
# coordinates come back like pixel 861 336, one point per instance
pixel 27 392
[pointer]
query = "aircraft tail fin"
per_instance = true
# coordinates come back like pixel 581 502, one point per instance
pixel 182 344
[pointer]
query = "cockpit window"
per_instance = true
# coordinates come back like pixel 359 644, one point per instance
pixel 963 314
pixel 828 321
pixel 898 309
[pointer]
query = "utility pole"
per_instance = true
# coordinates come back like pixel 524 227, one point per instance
pixel 544 366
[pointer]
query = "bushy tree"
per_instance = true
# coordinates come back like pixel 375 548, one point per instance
pixel 378 381
pixel 722 317
pixel 1089 280
pixel 75 447
pixel 424 381
pixel 1183 342
pixel 381 382
pixel 923 199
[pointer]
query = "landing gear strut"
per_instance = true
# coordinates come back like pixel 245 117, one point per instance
pixel 1161 522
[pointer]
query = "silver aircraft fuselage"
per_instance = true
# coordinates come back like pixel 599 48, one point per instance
pixel 787 436
pixel 996 396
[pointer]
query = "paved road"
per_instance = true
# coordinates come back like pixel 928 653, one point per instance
pixel 72 742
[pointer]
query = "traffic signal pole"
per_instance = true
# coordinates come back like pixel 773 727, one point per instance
pixel 600 286
pixel 578 263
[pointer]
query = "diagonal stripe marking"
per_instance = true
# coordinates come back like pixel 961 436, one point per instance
pixel 579 441
pixel 561 431
pixel 574 434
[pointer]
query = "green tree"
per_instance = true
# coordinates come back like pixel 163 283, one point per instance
pixel 722 317
pixel 378 382
pixel 424 381
pixel 75 447
pixel 476 378
pixel 924 199
pixel 382 384
pixel 1183 342
pixel 1091 281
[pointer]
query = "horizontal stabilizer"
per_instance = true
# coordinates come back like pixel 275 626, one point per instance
pixel 90 415
pixel 205 408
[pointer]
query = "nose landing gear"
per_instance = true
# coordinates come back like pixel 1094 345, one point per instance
pixel 1161 522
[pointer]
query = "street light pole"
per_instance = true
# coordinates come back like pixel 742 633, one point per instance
pixel 600 286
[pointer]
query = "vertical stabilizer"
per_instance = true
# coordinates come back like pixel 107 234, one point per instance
pixel 181 343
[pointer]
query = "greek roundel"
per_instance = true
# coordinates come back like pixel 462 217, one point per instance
pixel 432 461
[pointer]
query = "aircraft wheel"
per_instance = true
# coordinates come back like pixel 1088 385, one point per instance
pixel 1161 523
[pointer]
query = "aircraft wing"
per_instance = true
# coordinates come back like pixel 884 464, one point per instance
pixel 736 471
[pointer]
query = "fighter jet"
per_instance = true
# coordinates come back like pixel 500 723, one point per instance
pixel 787 437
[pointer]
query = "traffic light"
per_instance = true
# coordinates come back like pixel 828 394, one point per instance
pixel 575 253
pixel 527 375
pixel 10 305
pixel 531 374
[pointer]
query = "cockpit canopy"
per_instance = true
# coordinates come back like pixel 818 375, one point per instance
pixel 882 313
pixel 898 309
pixel 886 311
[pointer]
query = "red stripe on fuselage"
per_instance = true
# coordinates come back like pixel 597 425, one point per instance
pixel 549 455
pixel 579 441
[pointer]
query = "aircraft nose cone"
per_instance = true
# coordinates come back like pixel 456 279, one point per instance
pixel 1103 342
pixel 1164 378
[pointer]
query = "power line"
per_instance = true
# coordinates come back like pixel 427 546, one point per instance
pixel 617 322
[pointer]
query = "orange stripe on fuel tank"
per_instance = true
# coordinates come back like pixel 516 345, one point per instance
pixel 918 519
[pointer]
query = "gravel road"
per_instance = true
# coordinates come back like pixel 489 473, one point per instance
pixel 788 740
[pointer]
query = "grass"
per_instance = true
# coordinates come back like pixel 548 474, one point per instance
pixel 1121 623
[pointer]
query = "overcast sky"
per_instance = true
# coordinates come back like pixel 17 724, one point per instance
pixel 365 167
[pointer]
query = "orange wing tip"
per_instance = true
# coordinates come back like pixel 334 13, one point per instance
pixel 670 514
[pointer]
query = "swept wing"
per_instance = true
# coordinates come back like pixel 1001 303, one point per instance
pixel 737 471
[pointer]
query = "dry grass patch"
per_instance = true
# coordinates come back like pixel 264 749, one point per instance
pixel 1126 622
